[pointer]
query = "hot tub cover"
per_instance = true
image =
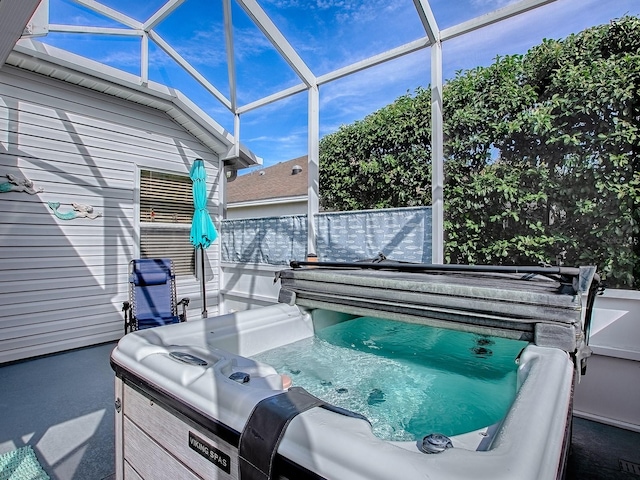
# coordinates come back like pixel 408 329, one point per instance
pixel 550 306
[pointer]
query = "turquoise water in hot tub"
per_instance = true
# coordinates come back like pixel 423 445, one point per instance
pixel 409 380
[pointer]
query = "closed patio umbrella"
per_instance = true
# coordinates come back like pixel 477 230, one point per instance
pixel 203 232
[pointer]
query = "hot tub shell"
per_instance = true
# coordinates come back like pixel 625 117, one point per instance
pixel 181 416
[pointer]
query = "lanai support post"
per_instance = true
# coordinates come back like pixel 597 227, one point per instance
pixel 313 203
pixel 437 157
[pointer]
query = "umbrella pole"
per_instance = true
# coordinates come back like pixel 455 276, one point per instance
pixel 202 286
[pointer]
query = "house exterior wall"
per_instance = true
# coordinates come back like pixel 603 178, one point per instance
pixel 62 282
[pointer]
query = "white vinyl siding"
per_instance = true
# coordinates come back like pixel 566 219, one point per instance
pixel 62 282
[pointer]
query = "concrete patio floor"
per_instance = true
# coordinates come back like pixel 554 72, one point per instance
pixel 63 406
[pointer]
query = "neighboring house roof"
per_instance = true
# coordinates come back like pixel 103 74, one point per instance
pixel 68 67
pixel 270 183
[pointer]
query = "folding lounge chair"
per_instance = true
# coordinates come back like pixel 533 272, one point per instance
pixel 152 295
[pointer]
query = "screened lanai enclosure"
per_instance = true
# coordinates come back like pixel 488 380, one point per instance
pixel 106 105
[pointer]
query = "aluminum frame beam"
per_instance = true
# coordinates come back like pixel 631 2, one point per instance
pixel 144 60
pixel 383 57
pixel 437 143
pixel 124 32
pixel 189 69
pixel 491 18
pixel 392 54
pixel 313 157
pixel 111 13
pixel 428 20
pixel 434 39
pixel 289 92
pixel 231 61
pixel 278 40
pixel 437 157
pixel 162 13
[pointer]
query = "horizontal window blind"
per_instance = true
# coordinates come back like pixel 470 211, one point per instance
pixel 166 210
pixel 169 243
pixel 165 197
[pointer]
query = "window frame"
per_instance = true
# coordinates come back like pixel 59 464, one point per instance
pixel 181 227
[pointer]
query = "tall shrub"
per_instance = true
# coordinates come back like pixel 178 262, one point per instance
pixel 541 156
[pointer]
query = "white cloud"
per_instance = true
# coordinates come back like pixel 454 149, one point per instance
pixel 342 9
pixel 121 59
pixel 250 42
pixel 203 47
pixel 520 33
pixel 386 82
pixel 280 139
pixel 208 47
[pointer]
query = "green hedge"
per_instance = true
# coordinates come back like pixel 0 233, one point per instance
pixel 541 156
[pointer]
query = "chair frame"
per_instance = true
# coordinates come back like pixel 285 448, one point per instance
pixel 130 320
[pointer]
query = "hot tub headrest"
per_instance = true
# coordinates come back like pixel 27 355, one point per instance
pixel 266 426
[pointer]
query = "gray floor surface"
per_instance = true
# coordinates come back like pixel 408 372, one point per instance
pixel 62 405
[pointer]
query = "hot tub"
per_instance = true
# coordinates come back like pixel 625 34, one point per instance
pixel 192 401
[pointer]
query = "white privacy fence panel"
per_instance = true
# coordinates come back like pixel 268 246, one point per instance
pixel 270 240
pixel 402 234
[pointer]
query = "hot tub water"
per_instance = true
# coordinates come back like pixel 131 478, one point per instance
pixel 409 380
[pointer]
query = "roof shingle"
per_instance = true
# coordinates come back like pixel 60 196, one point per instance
pixel 276 181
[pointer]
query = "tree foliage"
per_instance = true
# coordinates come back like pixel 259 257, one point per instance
pixel 541 156
pixel 380 162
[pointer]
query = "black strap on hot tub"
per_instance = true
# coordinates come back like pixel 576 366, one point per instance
pixel 265 428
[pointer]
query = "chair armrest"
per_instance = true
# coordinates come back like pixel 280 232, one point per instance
pixel 185 303
pixel 128 321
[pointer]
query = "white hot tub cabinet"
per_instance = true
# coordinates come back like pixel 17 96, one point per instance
pixel 181 416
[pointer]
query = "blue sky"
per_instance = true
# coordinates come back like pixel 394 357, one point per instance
pixel 327 34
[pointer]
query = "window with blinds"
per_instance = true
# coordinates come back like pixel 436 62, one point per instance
pixel 166 209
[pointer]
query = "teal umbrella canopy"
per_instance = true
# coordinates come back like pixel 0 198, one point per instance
pixel 203 232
